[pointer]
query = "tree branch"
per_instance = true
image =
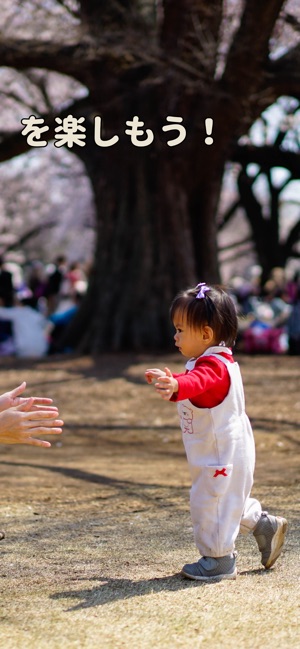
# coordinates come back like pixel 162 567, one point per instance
pixel 71 10
pixel 22 54
pixel 267 157
pixel 250 47
pixel 190 31
pixel 292 20
pixel 283 74
pixel 29 234
pixel 228 214
pixel 235 244
pixel 15 144
pixel 78 60
pixel 293 237
pixel 97 15
pixel 254 213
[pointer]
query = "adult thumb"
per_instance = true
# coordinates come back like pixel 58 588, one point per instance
pixel 18 390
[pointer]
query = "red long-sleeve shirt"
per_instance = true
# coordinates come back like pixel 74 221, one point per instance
pixel 207 385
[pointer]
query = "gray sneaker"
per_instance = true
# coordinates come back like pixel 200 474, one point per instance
pixel 269 534
pixel 209 569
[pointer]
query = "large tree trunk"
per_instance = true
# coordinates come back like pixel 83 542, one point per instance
pixel 156 226
pixel 144 252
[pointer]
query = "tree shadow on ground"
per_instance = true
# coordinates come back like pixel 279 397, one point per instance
pixel 87 476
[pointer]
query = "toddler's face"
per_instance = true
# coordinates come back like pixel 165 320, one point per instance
pixel 191 342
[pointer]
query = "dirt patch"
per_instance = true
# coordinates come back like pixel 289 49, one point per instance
pixel 98 527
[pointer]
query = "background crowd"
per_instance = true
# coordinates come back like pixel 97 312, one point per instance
pixel 269 312
pixel 36 304
pixel 38 301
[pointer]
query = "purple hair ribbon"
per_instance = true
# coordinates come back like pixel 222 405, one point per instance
pixel 202 290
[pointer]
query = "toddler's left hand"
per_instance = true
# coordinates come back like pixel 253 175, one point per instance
pixel 166 385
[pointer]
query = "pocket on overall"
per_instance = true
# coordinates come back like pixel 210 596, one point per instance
pixel 218 478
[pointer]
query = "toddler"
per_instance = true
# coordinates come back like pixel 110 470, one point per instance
pixel 217 435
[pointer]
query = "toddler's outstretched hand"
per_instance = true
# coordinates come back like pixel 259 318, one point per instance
pixel 165 384
pixel 153 374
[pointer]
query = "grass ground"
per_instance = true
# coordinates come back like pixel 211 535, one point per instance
pixel 98 527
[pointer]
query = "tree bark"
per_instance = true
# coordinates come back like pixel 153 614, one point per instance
pixel 144 252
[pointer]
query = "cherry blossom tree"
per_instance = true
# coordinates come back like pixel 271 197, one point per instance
pixel 166 63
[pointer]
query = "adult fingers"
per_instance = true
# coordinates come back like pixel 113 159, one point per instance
pixel 18 390
pixel 25 405
pixel 38 413
pixel 33 424
pixel 38 408
pixel 37 442
pixel 29 407
pixel 43 430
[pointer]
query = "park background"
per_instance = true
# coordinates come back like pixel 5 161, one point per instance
pixel 98 527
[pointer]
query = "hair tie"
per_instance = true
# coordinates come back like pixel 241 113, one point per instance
pixel 202 290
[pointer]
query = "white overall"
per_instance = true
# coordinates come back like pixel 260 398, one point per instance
pixel 220 450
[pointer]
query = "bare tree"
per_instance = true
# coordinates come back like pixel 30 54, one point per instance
pixel 156 205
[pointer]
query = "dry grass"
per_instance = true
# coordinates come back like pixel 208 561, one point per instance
pixel 98 526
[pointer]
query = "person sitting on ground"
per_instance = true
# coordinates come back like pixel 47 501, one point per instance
pixel 29 326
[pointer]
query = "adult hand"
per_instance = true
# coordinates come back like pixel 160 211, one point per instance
pixel 12 399
pixel 21 425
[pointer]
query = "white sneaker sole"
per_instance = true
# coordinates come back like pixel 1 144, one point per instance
pixel 277 542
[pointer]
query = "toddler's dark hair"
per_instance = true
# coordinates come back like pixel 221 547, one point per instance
pixel 216 309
